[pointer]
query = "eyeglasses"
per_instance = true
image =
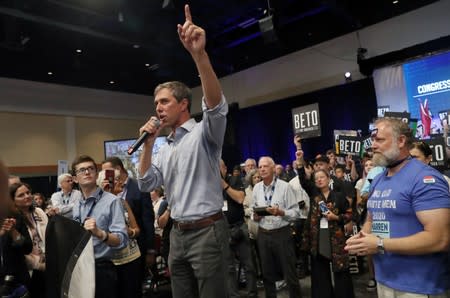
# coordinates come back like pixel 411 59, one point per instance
pixel 90 169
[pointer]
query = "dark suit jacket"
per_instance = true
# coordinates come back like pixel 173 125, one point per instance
pixel 141 205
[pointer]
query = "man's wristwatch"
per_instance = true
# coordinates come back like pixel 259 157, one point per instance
pixel 380 245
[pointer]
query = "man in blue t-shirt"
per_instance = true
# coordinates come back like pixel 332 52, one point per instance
pixel 408 223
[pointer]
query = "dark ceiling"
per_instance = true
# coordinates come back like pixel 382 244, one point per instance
pixel 135 45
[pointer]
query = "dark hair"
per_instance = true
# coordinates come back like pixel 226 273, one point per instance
pixel 15 186
pixel 12 194
pixel 422 147
pixel 115 162
pixel 179 90
pixel 160 191
pixel 80 159
pixel 330 151
pixel 44 200
pixel 339 166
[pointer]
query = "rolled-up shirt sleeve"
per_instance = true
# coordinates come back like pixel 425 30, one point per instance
pixel 291 211
pixel 151 179
pixel 118 225
pixel 215 122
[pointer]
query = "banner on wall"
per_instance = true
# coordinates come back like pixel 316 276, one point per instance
pixel 306 121
pixel 63 167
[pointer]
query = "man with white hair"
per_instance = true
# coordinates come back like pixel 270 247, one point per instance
pixel 64 200
pixel 275 243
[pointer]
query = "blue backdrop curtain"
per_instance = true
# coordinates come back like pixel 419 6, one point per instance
pixel 267 129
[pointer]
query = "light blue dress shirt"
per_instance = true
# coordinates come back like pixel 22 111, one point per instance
pixel 278 193
pixel 375 171
pixel 188 166
pixel 107 210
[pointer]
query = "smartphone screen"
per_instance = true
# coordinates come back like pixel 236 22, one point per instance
pixel 323 207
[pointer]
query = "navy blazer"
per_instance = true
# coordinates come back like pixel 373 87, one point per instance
pixel 141 205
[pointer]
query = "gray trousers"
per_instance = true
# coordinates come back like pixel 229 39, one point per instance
pixel 198 261
pixel 241 250
pixel 277 254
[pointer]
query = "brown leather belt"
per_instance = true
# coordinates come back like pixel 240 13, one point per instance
pixel 272 231
pixel 199 223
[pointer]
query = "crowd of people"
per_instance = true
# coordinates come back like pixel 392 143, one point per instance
pixel 268 223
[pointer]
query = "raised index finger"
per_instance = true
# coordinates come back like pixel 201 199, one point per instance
pixel 187 13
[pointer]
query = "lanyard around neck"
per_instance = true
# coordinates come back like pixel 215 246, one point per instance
pixel 65 202
pixel 90 209
pixel 272 190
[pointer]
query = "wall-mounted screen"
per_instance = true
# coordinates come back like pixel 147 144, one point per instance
pixel 420 87
pixel 119 148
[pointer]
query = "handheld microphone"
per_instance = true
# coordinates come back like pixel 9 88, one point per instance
pixel 133 148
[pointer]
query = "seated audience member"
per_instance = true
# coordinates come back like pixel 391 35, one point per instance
pixel 126 259
pixel 275 241
pixel 36 222
pixel 64 200
pixel 324 238
pixel 101 213
pixel 422 152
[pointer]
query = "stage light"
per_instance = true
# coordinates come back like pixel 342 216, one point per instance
pixel 111 82
pixel 348 76
pixel 50 73
pixel 79 51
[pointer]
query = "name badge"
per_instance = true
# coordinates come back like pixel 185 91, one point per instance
pixel 323 223
pixel 225 205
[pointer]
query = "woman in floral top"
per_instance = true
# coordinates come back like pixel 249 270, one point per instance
pixel 324 237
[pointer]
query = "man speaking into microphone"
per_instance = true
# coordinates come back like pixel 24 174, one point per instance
pixel 188 166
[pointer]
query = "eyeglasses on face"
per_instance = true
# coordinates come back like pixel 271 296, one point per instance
pixel 90 169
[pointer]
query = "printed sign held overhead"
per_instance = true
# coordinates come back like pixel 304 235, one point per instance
pixel 437 146
pixel 306 121
pixel 349 145
pixel 404 116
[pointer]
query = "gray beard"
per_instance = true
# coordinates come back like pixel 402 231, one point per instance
pixel 386 158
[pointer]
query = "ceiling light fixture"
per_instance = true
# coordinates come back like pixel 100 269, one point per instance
pixel 147 64
pixel 79 51
pixel 50 73
pixel 395 2
pixel 111 82
pixel 348 76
